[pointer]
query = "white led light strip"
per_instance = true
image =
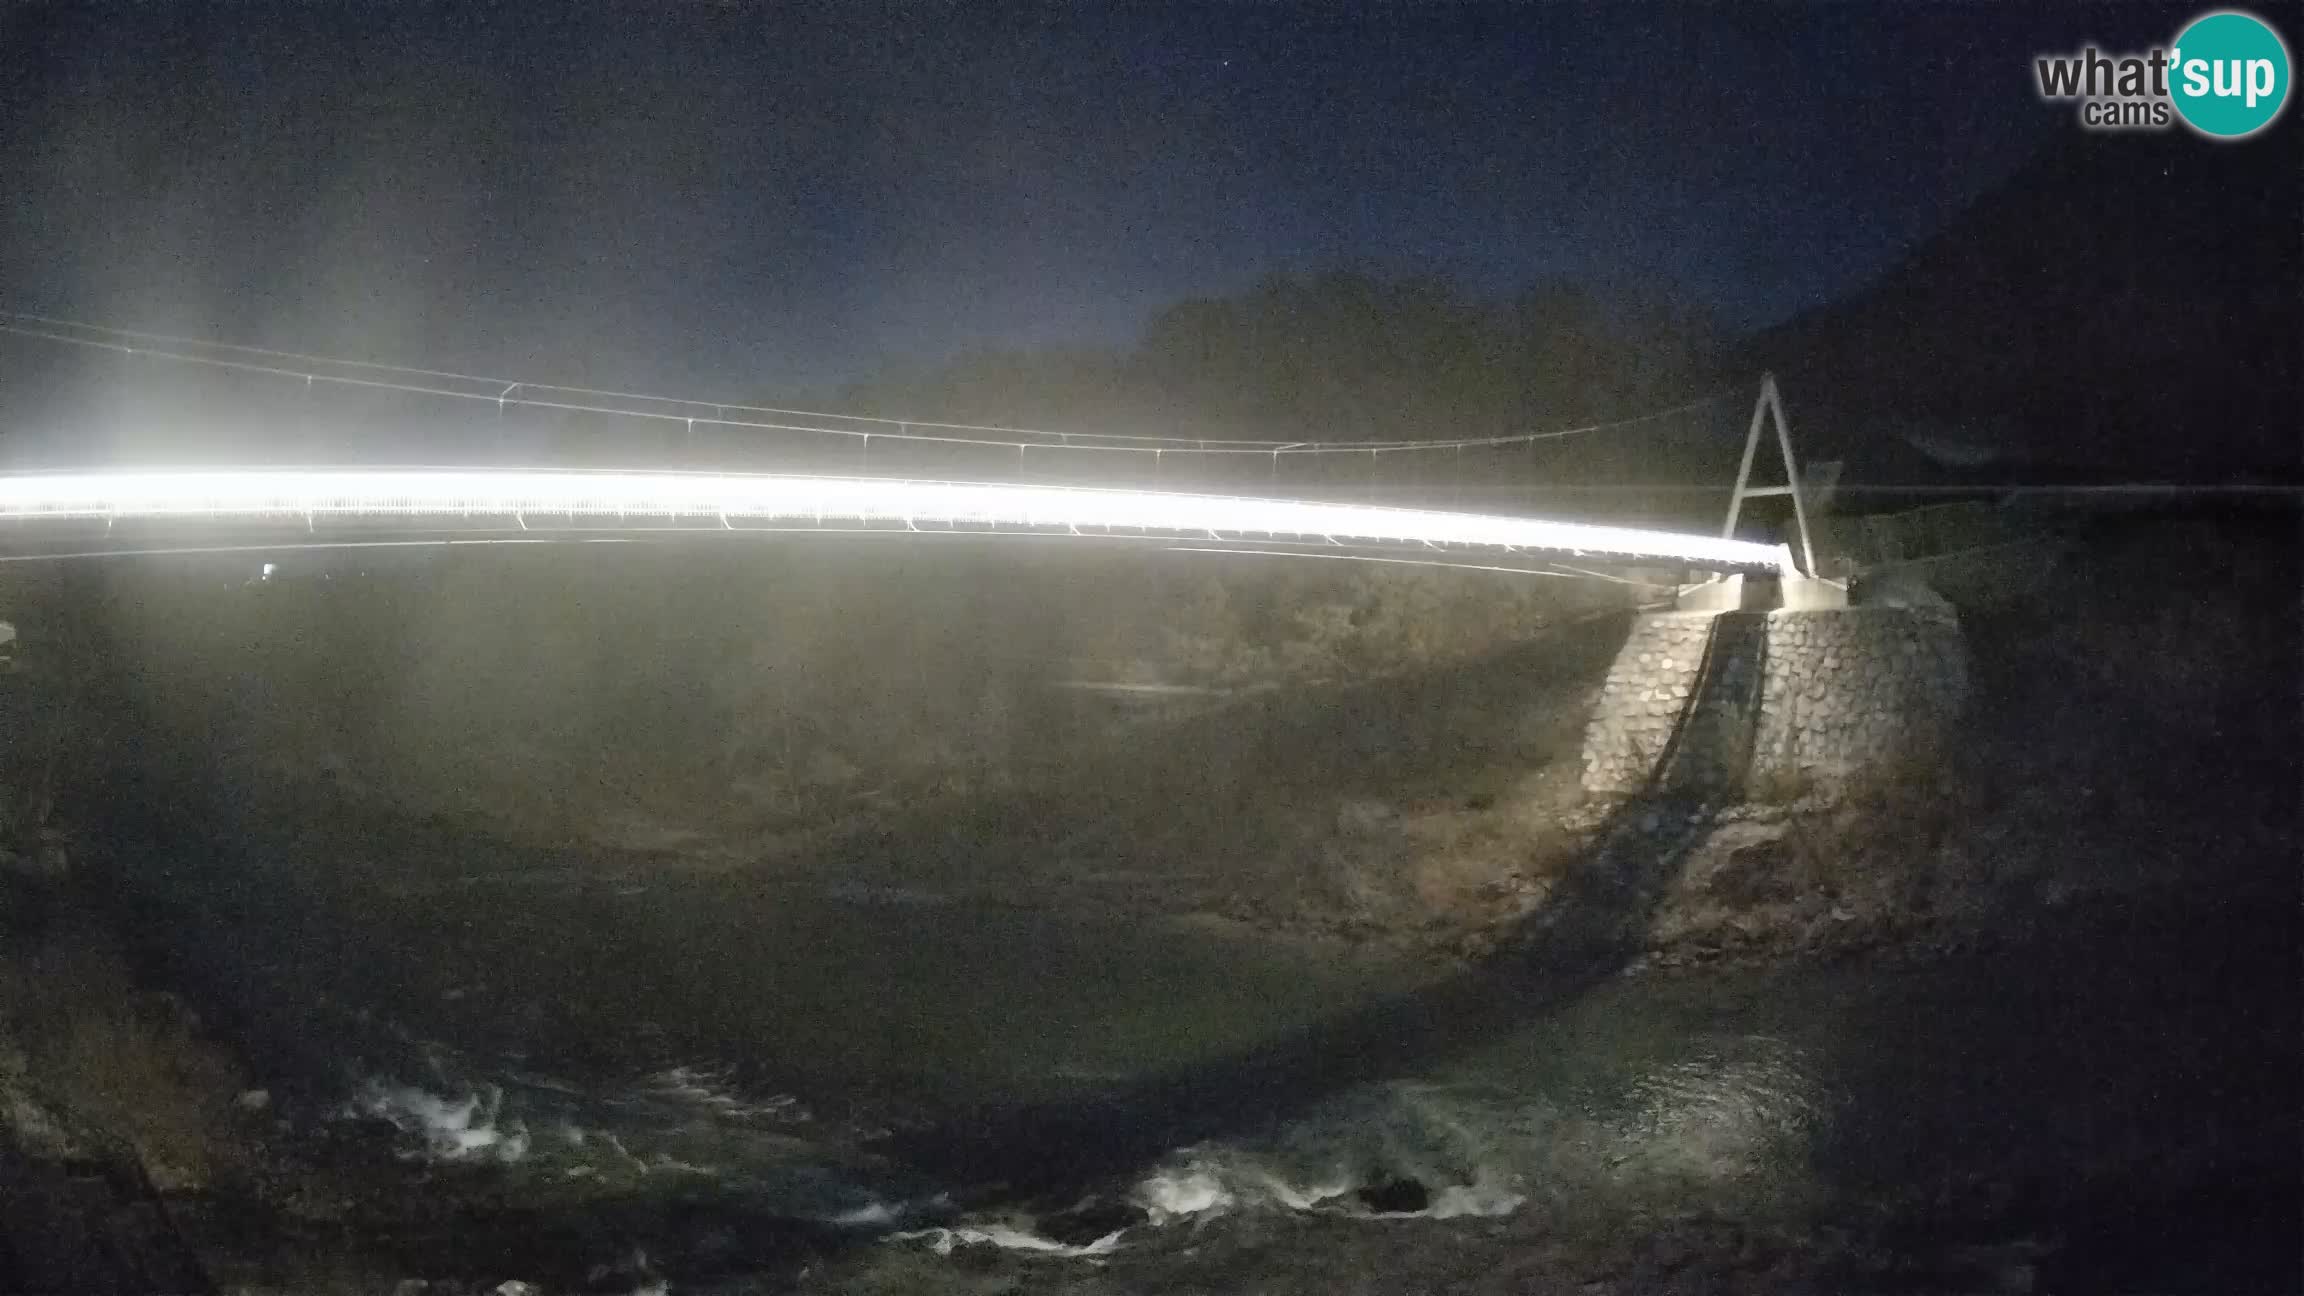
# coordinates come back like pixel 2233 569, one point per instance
pixel 537 497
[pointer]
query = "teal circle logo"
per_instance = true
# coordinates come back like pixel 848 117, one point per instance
pixel 2228 75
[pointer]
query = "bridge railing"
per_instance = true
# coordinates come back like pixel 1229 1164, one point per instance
pixel 142 398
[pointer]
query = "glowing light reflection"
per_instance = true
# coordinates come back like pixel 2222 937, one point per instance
pixel 533 499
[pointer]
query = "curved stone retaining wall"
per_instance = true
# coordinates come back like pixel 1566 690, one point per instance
pixel 1773 703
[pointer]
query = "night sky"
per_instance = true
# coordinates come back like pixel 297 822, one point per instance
pixel 730 200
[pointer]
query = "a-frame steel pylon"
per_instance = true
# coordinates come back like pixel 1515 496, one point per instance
pixel 1771 406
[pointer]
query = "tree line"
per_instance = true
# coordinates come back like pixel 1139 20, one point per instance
pixel 1342 355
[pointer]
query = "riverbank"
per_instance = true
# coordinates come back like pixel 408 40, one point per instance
pixel 2118 743
pixel 2102 1108
pixel 2010 1120
pixel 1385 764
pixel 1339 987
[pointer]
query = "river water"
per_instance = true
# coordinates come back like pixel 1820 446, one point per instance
pixel 604 1065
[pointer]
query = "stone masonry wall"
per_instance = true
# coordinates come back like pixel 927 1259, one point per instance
pixel 1788 702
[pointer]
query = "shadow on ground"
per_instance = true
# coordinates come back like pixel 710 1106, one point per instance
pixel 1595 924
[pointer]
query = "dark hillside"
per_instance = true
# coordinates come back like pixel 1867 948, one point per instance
pixel 2122 307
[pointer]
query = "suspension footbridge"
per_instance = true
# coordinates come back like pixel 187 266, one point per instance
pixel 800 471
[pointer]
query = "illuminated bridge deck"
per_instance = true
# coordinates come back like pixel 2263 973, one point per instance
pixel 51 512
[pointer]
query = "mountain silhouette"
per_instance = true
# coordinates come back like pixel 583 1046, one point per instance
pixel 2124 307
